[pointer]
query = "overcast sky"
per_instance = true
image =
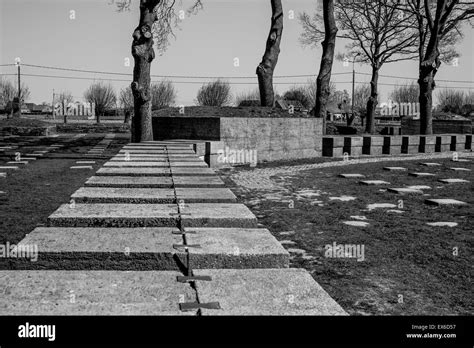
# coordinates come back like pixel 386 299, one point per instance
pixel 42 32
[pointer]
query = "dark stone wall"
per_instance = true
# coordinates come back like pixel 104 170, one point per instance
pixel 412 127
pixel 191 128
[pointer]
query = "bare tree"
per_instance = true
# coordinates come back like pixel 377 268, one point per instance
pixel 311 31
pixel 299 93
pixel 9 91
pixel 452 100
pixel 407 93
pixel 379 32
pixel 163 94
pixel 438 25
pixel 216 93
pixel 361 95
pixel 270 58
pixel 247 95
pixel 65 96
pixel 156 23
pixel 103 96
pixel 126 102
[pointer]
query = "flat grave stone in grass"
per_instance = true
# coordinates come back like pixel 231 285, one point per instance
pixel 28 158
pixel 396 211
pixel 444 201
pixel 404 190
pixel 374 182
pixel 430 164
pixel 380 206
pixel 442 224
pixel 421 174
pixel 41 151
pixel 17 162
pixel 342 198
pixel 460 169
pixel 354 175
pixel 356 223
pixel 419 187
pixel 3 175
pixel 453 181
pixel 35 154
pixel 461 160
pixel 85 162
pixel 395 168
pixel 9 167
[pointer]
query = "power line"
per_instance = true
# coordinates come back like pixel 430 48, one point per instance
pixel 170 76
pixel 415 78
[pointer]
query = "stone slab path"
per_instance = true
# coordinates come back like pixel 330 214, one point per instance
pixel 158 236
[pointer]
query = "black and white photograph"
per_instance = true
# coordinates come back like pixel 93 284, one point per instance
pixel 212 172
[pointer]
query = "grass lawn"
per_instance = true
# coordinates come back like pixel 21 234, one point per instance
pixel 37 189
pixel 409 267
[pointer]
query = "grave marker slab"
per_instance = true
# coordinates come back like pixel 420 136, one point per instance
pixel 394 168
pixel 265 292
pixel 374 182
pixel 351 176
pixel 420 174
pixel 81 167
pixel 442 224
pixel 452 181
pixel 458 169
pixel 444 201
pixel 356 223
pixel 403 190
pixel 380 205
pixel 430 164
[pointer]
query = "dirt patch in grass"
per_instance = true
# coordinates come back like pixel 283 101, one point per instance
pixel 409 268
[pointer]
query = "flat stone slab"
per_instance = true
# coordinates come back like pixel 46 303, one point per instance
pixel 217 215
pixel 197 181
pixel 460 169
pixel 134 171
pixel 235 248
pixel 192 171
pixel 9 167
pixel 348 176
pixel 453 181
pixel 123 195
pixel 374 182
pixel 114 215
pixel 380 205
pixel 444 201
pixel 395 168
pixel 133 158
pixel 356 223
pixel 123 155
pixel 343 198
pixel 404 190
pixel 420 174
pixel 265 292
pixel 442 224
pixel 95 293
pixel 17 162
pixel 461 160
pixel 154 164
pixel 152 195
pixel 130 181
pixel 27 158
pixel 419 187
pixel 85 162
pixel 204 194
pixel 149 248
pixel 430 164
pixel 3 175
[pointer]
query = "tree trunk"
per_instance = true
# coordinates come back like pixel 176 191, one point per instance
pixel 143 54
pixel 270 57
pixel 428 69
pixel 426 83
pixel 324 76
pixel 372 102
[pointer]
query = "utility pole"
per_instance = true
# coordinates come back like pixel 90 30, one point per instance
pixel 353 85
pixel 52 107
pixel 17 62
